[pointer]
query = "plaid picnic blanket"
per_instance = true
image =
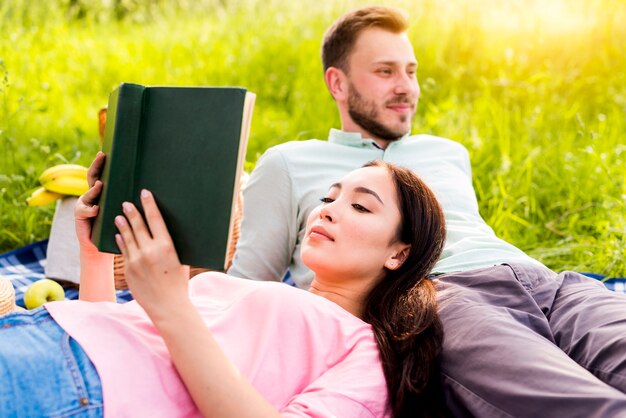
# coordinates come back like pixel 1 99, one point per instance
pixel 617 284
pixel 26 265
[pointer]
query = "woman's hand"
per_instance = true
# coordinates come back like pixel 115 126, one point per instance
pixel 86 207
pixel 153 272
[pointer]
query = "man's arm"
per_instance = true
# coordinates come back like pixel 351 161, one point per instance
pixel 269 228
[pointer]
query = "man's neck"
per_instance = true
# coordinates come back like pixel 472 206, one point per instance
pixel 380 143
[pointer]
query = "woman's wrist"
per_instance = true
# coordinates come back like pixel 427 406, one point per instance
pixel 170 311
pixel 91 254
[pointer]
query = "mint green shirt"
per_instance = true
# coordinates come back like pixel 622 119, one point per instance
pixel 290 179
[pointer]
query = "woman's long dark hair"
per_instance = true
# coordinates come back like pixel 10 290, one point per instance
pixel 402 307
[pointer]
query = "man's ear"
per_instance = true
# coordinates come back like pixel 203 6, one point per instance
pixel 398 258
pixel 337 83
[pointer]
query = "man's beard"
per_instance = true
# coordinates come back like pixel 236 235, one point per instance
pixel 364 114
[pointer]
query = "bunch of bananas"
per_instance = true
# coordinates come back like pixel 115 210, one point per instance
pixel 58 181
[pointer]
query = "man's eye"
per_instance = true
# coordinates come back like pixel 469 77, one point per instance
pixel 360 208
pixel 385 71
pixel 326 200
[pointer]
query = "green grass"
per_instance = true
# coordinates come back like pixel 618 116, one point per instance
pixel 536 90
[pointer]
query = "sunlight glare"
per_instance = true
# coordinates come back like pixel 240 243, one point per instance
pixel 550 17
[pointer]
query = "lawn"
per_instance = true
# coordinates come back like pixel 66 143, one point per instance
pixel 536 90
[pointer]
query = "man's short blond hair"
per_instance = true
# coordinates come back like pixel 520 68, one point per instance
pixel 342 35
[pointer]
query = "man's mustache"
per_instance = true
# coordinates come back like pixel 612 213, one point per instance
pixel 400 100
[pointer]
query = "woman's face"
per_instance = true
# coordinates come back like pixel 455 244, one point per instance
pixel 352 234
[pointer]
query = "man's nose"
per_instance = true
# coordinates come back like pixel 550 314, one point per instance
pixel 406 84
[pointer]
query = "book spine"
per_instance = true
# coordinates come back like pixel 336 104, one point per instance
pixel 122 135
pixel 139 143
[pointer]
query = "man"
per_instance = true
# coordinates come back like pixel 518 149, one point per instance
pixel 520 339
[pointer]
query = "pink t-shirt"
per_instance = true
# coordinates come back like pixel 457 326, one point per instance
pixel 305 355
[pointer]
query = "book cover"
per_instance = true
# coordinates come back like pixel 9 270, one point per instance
pixel 185 144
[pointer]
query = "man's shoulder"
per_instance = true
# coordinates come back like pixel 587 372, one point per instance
pixel 300 146
pixel 311 151
pixel 291 156
pixel 433 140
pixel 315 150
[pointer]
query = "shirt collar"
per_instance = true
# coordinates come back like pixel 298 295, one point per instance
pixel 354 139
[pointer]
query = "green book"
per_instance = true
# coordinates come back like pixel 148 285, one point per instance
pixel 187 146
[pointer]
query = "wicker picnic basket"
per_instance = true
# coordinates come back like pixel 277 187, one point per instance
pixel 118 267
pixel 7 296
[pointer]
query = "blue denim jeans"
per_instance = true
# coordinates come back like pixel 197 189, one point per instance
pixel 43 371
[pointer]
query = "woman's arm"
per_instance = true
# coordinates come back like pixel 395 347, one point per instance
pixel 96 268
pixel 96 277
pixel 215 384
pixel 159 283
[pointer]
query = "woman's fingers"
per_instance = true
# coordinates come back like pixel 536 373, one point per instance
pixel 85 211
pixel 147 240
pixel 91 196
pixel 95 169
pixel 135 220
pixel 153 216
pixel 121 245
pixel 82 211
pixel 86 205
pixel 125 239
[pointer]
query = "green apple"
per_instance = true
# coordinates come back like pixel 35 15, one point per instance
pixel 42 291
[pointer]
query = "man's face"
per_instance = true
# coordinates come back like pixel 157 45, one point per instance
pixel 382 84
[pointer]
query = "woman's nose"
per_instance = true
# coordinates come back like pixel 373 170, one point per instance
pixel 326 213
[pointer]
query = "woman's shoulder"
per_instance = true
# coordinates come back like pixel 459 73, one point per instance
pixel 275 295
pixel 214 281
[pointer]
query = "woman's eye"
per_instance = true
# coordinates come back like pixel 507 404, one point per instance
pixel 360 208
pixel 326 200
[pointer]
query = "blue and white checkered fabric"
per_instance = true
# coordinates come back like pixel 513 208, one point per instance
pixel 617 284
pixel 26 265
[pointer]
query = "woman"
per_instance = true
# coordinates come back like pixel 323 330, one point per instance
pixel 220 346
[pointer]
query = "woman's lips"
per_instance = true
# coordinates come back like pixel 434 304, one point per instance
pixel 321 233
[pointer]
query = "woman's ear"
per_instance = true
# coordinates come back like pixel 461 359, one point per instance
pixel 398 258
pixel 336 81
